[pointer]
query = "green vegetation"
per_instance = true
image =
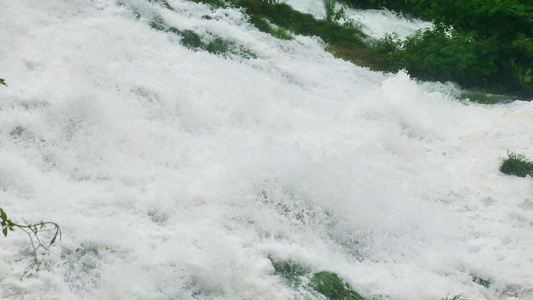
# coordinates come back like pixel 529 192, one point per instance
pixel 291 273
pixel 192 40
pixel 481 98
pixel 189 38
pixel 331 14
pixel 329 284
pixel 483 282
pixel 516 164
pixel 33 231
pixel 477 43
pixel 164 3
pixel 344 40
pixel 217 46
pixel 300 23
pixel 441 54
pixel 456 297
pixel 281 34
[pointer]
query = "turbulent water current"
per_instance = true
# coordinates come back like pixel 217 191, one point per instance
pixel 181 174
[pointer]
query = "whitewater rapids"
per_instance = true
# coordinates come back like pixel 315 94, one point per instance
pixel 179 174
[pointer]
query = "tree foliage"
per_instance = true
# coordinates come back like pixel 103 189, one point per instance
pixel 490 42
pixel 442 54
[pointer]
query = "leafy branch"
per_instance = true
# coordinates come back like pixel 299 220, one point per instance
pixel 39 248
pixel 331 14
pixel 3 81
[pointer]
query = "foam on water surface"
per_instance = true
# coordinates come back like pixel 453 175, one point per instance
pixel 376 23
pixel 177 174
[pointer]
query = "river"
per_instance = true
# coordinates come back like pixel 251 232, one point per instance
pixel 180 174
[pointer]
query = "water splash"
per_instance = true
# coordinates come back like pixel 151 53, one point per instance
pixel 176 173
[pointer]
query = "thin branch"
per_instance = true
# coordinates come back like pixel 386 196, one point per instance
pixel 32 230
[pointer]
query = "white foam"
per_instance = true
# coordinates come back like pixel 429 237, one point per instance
pixel 175 174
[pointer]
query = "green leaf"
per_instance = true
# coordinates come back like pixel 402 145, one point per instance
pixel 53 240
pixel 4 231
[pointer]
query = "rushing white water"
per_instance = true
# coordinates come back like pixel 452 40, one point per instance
pixel 177 174
pixel 376 23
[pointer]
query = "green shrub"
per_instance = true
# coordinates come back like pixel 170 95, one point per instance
pixel 331 14
pixel 516 164
pixel 387 44
pixel 496 35
pixel 441 54
pixel 524 75
pixel 260 23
